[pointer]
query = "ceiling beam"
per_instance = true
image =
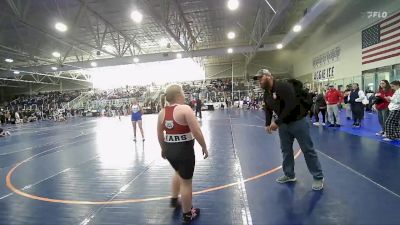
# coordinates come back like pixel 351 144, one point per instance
pixel 260 30
pixel 4 83
pixel 186 23
pixel 14 8
pixel 47 34
pixel 107 23
pixel 23 54
pixel 57 75
pixel 27 81
pixel 316 10
pixel 269 4
pixel 154 57
pixel 13 86
pixel 162 23
pixel 310 17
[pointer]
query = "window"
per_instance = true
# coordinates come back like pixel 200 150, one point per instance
pixel 369 82
pixel 396 75
pixel 384 74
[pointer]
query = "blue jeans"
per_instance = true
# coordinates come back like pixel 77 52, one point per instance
pixel 298 130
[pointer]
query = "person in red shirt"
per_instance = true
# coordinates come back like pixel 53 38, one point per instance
pixel 333 98
pixel 181 127
pixel 381 103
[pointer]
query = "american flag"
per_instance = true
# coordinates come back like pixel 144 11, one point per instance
pixel 382 40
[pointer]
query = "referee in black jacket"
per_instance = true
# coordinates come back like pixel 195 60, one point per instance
pixel 280 97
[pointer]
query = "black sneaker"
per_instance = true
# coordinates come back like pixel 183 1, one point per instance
pixel 318 184
pixel 174 203
pixel 284 179
pixel 337 125
pixel 189 216
pixel 331 125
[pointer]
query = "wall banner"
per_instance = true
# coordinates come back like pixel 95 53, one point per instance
pixel 322 64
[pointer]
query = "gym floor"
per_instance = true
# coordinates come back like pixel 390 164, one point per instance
pixel 89 171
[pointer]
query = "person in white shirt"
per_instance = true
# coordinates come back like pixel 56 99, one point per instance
pixel 392 123
pixel 18 118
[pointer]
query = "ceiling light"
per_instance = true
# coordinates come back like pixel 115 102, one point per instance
pixel 279 46
pixel 230 50
pixel 297 28
pixel 231 35
pixel 56 54
pixel 16 72
pixel 9 60
pixel 233 4
pixel 178 55
pixel 136 16
pixel 54 68
pixel 135 59
pixel 93 64
pixel 61 27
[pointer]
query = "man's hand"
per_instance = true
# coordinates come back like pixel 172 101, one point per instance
pixel 273 126
pixel 268 130
pixel 205 153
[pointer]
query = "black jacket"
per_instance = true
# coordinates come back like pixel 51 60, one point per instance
pixel 320 101
pixel 282 100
